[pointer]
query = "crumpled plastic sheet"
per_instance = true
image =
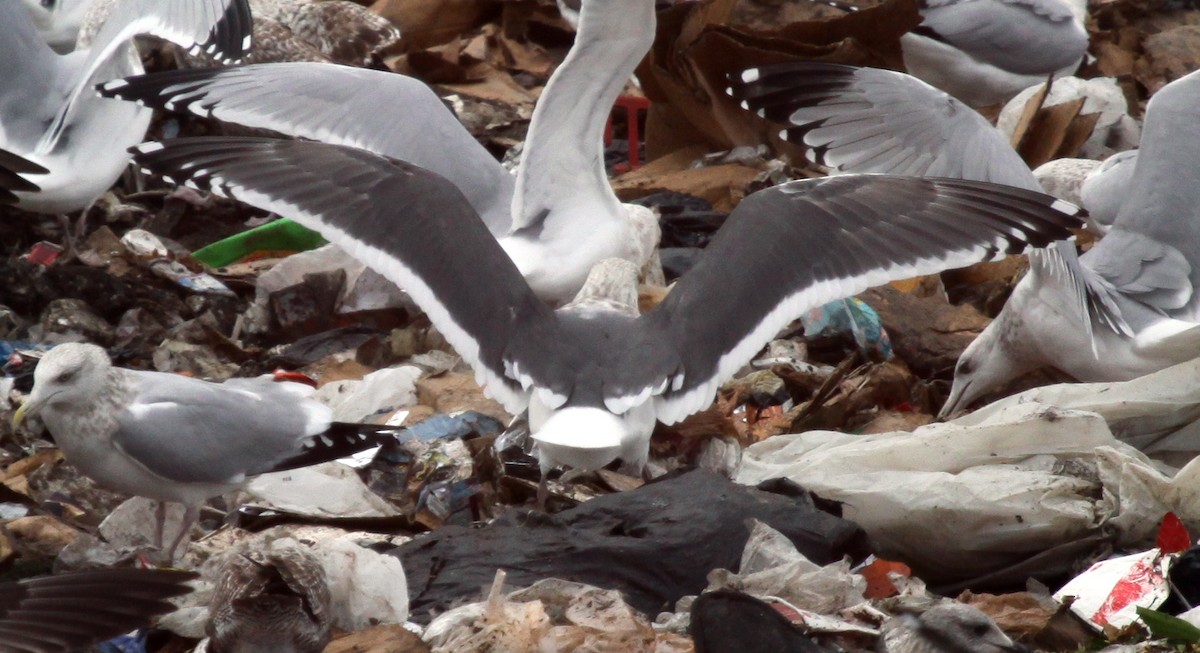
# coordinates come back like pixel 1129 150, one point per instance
pixel 550 615
pixel 1027 476
pixel 954 502
pixel 771 566
pixel 327 490
pixel 655 544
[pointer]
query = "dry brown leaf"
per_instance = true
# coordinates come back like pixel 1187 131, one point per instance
pixel 430 22
pixel 697 47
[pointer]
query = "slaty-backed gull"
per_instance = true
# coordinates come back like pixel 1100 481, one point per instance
pixel 595 376
pixel 556 219
pixel 49 113
pixel 68 612
pixel 175 438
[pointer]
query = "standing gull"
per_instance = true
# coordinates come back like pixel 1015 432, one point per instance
pixel 57 614
pixel 555 220
pixel 49 113
pixel 1137 287
pixel 175 438
pixel 594 375
pixel 983 52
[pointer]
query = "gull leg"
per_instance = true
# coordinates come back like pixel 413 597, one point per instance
pixel 190 515
pixel 543 494
pixel 160 520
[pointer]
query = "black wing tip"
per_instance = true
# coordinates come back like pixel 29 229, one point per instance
pixel 342 439
pixel 230 39
pixel 12 168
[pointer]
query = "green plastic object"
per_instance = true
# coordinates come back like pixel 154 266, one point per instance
pixel 282 235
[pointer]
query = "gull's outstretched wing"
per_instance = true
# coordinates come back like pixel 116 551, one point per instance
pixel 789 248
pixel 872 120
pixel 57 614
pixel 12 169
pixel 390 114
pixel 410 225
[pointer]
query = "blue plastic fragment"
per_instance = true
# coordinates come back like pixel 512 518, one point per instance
pixel 852 316
pixel 135 643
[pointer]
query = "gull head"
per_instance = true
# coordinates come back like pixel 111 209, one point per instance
pixel 989 361
pixel 946 628
pixel 70 374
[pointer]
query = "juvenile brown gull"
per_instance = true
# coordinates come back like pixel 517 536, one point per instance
pixel 275 600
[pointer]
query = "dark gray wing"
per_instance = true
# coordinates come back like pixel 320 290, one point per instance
pixel 56 614
pixel 872 120
pixel 386 113
pixel 408 224
pixel 12 167
pixel 789 248
pixel 194 431
pixel 1027 37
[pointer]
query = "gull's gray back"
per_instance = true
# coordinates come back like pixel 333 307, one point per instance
pixel 191 431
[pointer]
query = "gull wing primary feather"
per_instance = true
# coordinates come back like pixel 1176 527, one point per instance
pixel 12 169
pixel 57 614
pixel 781 252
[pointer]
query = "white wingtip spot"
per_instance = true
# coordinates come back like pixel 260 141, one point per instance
pixel 750 75
pixel 148 147
pixel 114 84
pixel 1063 206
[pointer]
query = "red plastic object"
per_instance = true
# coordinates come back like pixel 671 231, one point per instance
pixel 1172 535
pixel 631 104
pixel 43 253
pixel 282 375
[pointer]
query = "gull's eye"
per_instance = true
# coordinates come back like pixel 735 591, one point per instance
pixel 66 377
pixel 981 630
pixel 49 4
pixel 964 367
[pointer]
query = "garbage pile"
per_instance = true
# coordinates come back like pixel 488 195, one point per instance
pixel 819 503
